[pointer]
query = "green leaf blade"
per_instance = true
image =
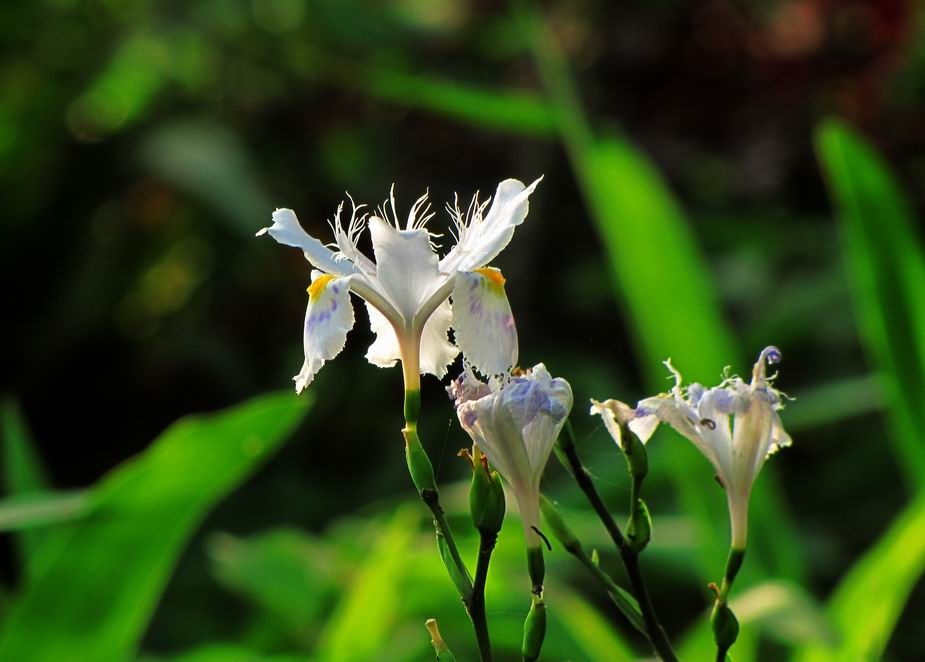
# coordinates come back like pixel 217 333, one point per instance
pixel 886 269
pixel 95 589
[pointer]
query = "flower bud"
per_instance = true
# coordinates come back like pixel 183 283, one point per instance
pixel 534 630
pixel 486 497
pixel 419 466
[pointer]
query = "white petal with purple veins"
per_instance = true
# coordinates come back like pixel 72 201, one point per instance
pixel 328 318
pixel 483 321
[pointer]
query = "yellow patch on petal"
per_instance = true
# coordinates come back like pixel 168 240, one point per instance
pixel 318 285
pixel 493 275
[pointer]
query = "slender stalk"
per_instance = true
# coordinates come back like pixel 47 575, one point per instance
pixel 656 633
pixel 723 620
pixel 477 605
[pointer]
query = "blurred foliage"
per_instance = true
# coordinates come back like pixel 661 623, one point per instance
pixel 682 213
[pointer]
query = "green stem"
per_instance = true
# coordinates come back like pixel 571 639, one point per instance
pixel 422 474
pixel 724 633
pixel 477 605
pixel 656 633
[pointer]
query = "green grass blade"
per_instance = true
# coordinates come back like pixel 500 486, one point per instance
pixel 869 600
pixel 886 268
pixel 92 593
pixel 22 471
pixel 508 111
pixel 595 635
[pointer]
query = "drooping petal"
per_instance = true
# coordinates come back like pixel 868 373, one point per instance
pixel 286 230
pixel 328 318
pixel 482 239
pixel 437 352
pixel 406 266
pixel 385 351
pixel 483 321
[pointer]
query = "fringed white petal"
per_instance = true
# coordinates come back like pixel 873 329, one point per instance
pixel 286 230
pixel 483 321
pixel 385 351
pixel 437 352
pixel 328 318
pixel 481 239
pixel 406 266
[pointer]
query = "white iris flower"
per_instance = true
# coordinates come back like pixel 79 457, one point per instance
pixel 407 287
pixel 737 448
pixel 515 425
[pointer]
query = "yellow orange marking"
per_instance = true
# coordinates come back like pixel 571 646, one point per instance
pixel 318 285
pixel 494 275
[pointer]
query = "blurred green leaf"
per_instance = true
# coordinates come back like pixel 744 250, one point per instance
pixel 592 633
pixel 22 468
pixel 210 162
pixel 886 268
pixel 866 605
pixel 360 626
pixel 835 401
pixel 22 474
pixel 223 653
pixel 94 589
pixel 515 111
pixel 286 572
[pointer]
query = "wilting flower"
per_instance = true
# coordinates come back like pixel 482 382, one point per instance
pixel 516 424
pixel 737 449
pixel 407 287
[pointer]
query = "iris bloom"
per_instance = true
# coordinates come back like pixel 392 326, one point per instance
pixel 407 287
pixel 737 448
pixel 515 425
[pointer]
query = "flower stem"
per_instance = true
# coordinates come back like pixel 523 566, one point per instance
pixel 477 605
pixel 656 633
pixel 723 620
pixel 422 474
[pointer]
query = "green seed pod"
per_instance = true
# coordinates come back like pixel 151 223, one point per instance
pixel 534 630
pixel 639 528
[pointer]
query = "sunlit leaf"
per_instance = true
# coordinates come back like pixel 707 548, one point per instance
pixel 286 572
pixel 93 591
pixel 360 625
pixel 593 634
pixel 868 602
